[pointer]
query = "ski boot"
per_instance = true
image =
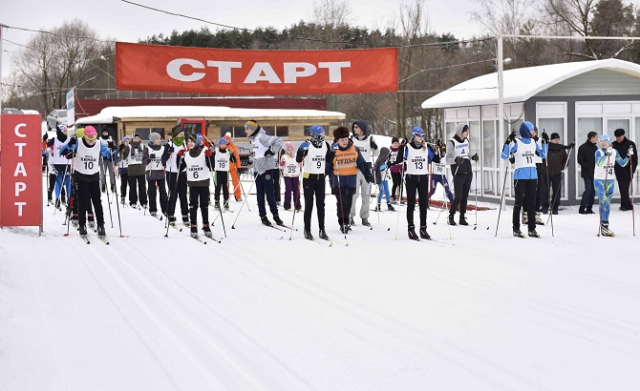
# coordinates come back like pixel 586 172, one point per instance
pixel 207 231
pixel 344 228
pixel 194 231
pixel 377 208
pixel 517 233
pixel 217 206
pixel 452 222
pixel 172 221
pixel 185 221
pixel 92 224
pixel 323 234
pixel 154 214
pixel 57 204
pixel 462 220
pixel 424 234
pixel 122 200
pixel 278 220
pixel 533 233
pixel 389 206
pixel 103 188
pixel 265 221
pixel 539 219
pixel 366 222
pixel 307 235
pixel 101 232
pixel 226 205
pixel 604 229
pixel 82 230
pixel 412 234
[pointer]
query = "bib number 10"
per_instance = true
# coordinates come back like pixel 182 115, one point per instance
pixel 88 165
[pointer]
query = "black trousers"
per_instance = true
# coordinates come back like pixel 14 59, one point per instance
pixel 264 188
pixel 157 185
pixel 222 179
pixel 419 184
pixel 314 186
pixel 556 183
pixel 396 177
pixel 525 197
pixel 52 185
pixel 174 193
pixel 276 184
pixel 624 183
pixel 542 193
pixel 137 184
pixel 124 181
pixel 199 197
pixel 461 187
pixel 344 197
pixel 89 193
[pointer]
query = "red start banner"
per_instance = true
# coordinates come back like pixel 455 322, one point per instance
pixel 255 72
pixel 20 171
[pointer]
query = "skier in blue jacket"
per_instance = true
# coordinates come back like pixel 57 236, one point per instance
pixel 522 153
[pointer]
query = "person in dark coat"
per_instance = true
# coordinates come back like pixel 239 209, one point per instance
pixel 556 160
pixel 623 174
pixel 587 162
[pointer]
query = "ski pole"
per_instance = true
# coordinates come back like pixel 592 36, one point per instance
pixel 504 185
pixel 117 204
pixel 555 197
pixel 295 210
pixel 233 226
pixel 633 208
pixel 108 200
pixel 546 162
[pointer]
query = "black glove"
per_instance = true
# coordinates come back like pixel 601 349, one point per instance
pixel 573 144
pixel 511 137
pixel 72 141
pixel 121 147
pixel 152 156
pixel 512 158
pixel 404 141
pixel 170 149
pixel 536 138
pixel 459 160
pixel 545 137
pixel 475 157
pixel 269 152
pixel 111 145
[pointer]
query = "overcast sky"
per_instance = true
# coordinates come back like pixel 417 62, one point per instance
pixel 125 22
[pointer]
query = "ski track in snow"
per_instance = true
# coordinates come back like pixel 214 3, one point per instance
pixel 261 312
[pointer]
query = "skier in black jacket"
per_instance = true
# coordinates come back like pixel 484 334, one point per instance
pixel 587 162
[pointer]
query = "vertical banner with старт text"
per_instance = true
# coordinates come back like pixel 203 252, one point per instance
pixel 21 171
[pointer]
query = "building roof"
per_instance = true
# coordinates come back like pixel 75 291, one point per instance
pixel 111 114
pixel 520 84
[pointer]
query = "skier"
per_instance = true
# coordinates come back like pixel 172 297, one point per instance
pixel 264 150
pixel 152 159
pixel 123 168
pixel 458 157
pixel 522 152
pixel 60 162
pixel 440 174
pixel 556 161
pixel 85 153
pixel 136 172
pixel 380 176
pixel 416 156
pixel 105 164
pixel 176 180
pixel 233 170
pixel 623 176
pixel 396 170
pixel 366 145
pixel 291 174
pixel 345 163
pixel 605 178
pixel 197 163
pixel 223 159
pixel 314 154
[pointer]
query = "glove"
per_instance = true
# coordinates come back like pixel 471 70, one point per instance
pixel 404 141
pixel 536 138
pixel 181 152
pixel 512 158
pixel 152 156
pixel 121 147
pixel 459 160
pixel 208 153
pixel 282 163
pixel 573 144
pixel 304 146
pixel 72 141
pixel 335 146
pixel 383 167
pixel 545 137
pixel 171 149
pixel 607 152
pixel 511 137
pixel 630 151
pixel 475 157
pixel 111 145
pixel 268 152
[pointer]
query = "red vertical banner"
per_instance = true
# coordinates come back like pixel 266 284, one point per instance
pixel 21 171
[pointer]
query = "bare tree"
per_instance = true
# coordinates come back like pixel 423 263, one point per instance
pixel 331 14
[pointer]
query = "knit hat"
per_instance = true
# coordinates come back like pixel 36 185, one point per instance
pixel 394 139
pixel 417 131
pixel 126 138
pixel 606 137
pixel 618 132
pixel 176 130
pixel 197 139
pixel 252 125
pixel 154 136
pixel 288 145
pixel 340 132
pixel 525 129
pixel 554 136
pixel 222 141
pixel 90 132
pixel 135 135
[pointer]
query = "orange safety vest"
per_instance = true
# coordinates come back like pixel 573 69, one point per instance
pixel 345 162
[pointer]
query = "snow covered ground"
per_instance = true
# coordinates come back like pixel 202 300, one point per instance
pixel 258 311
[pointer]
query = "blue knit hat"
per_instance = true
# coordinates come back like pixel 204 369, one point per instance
pixel 526 128
pixel 606 137
pixel 222 141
